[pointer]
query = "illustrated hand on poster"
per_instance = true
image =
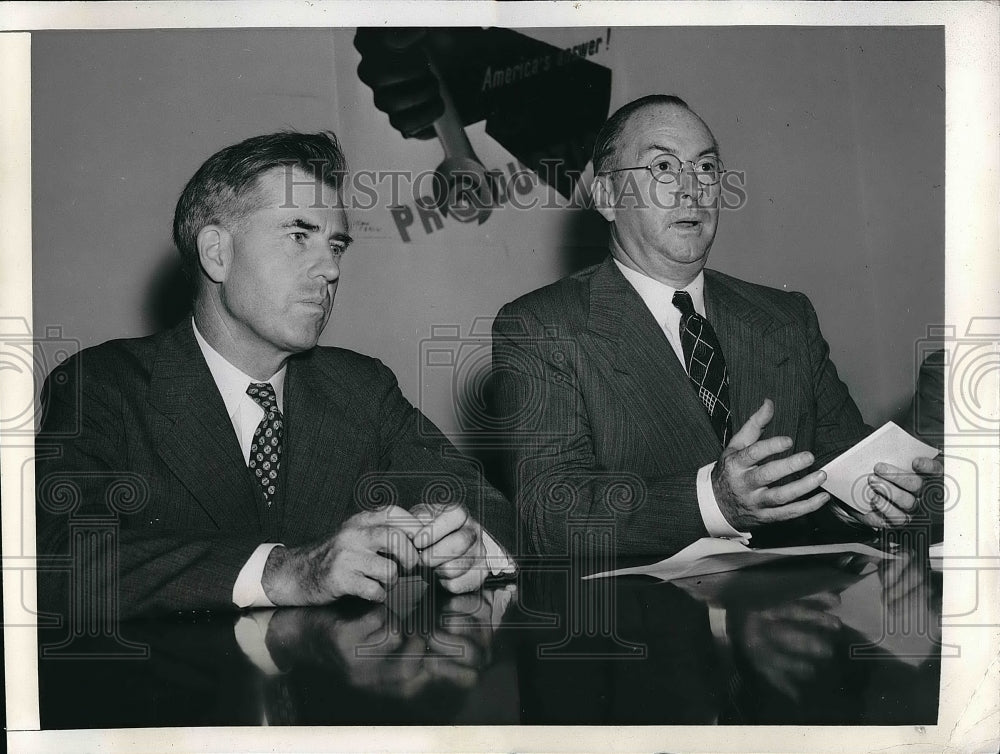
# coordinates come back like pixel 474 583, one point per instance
pixel 543 104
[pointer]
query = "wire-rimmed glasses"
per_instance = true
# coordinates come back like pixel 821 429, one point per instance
pixel 667 168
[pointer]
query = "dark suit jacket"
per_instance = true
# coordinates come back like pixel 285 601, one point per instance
pixel 136 441
pixel 605 426
pixel 924 417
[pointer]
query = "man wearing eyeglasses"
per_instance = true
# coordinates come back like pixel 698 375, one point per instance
pixel 661 402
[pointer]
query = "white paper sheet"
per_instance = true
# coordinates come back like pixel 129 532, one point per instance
pixel 710 555
pixel 847 474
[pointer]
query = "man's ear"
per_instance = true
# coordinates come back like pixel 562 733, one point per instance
pixel 602 192
pixel 215 252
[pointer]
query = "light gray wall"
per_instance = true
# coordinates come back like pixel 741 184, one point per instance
pixel 120 122
pixel 840 132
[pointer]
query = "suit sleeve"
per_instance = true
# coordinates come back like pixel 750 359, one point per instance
pixel 838 421
pixel 838 426
pixel 925 416
pixel 423 466
pixel 566 501
pixel 95 554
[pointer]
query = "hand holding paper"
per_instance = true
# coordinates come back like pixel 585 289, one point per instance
pixel 881 477
pixel 745 483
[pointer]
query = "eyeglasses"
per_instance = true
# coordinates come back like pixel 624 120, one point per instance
pixel 666 168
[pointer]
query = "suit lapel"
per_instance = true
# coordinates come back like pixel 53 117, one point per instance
pixel 754 345
pixel 198 442
pixel 653 383
pixel 322 455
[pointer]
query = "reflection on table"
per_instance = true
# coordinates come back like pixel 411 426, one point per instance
pixel 841 640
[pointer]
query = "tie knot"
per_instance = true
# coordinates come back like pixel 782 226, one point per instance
pixel 682 300
pixel 263 395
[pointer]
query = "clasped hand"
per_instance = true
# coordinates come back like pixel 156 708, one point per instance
pixel 365 556
pixel 385 654
pixel 789 644
pixel 744 482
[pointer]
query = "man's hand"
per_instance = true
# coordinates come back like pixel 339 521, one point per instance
pixel 741 482
pixel 789 644
pixel 326 637
pixel 351 562
pixel 394 659
pixel 395 66
pixel 894 492
pixel 451 543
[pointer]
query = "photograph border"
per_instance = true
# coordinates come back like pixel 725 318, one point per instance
pixel 969 719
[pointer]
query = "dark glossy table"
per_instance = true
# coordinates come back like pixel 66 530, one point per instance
pixel 818 640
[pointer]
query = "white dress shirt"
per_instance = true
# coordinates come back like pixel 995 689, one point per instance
pixel 658 298
pixel 245 414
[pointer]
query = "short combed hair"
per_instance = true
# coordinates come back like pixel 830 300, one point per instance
pixel 224 190
pixel 606 144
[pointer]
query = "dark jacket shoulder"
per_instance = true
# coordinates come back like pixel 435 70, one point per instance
pixel 564 301
pixel 345 366
pixel 571 288
pixel 785 307
pixel 568 300
pixel 112 363
pixel 124 364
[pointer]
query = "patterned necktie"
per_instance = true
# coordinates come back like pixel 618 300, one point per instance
pixel 265 450
pixel 705 365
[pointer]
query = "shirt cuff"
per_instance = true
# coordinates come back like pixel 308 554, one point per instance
pixel 717 625
pixel 499 602
pixel 711 514
pixel 497 559
pixel 248 591
pixel 251 635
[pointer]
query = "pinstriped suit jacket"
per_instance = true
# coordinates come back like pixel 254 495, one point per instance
pixel 606 431
pixel 136 434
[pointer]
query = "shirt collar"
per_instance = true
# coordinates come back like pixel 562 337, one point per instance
pixel 658 296
pixel 233 382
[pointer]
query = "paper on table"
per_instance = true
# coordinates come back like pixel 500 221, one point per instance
pixel 847 474
pixel 711 555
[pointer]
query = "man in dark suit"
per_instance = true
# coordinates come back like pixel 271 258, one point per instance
pixel 241 464
pixel 622 384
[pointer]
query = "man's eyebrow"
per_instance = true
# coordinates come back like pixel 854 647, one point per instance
pixel 659 148
pixel 344 238
pixel 301 224
pixel 298 222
